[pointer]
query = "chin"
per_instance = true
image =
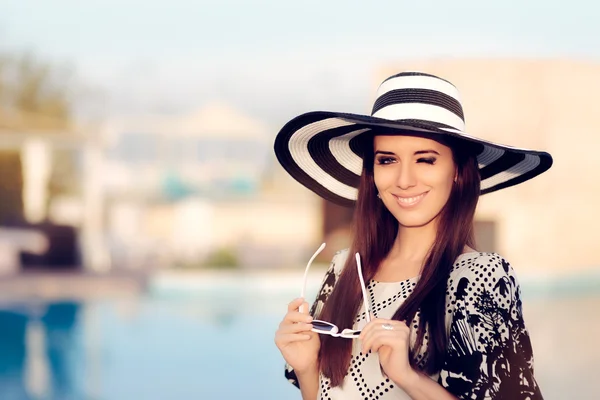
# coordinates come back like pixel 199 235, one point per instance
pixel 414 221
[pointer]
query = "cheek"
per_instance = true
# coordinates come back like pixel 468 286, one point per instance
pixel 383 178
pixel 447 181
pixel 437 177
pixel 442 180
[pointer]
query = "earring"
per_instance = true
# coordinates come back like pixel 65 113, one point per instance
pixel 378 196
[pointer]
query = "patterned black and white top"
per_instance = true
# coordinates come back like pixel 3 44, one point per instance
pixel 489 352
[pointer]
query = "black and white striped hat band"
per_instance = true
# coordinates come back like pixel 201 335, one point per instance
pixel 322 150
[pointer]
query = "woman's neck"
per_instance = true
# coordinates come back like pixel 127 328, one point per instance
pixel 413 243
pixel 408 253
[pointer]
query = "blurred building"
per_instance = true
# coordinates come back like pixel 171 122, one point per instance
pixel 180 188
pixel 551 222
pixel 214 151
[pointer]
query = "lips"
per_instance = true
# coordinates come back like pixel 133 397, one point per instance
pixel 412 201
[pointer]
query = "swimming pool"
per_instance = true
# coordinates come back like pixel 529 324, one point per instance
pixel 203 340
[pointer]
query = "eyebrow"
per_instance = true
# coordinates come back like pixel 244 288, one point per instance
pixel 391 153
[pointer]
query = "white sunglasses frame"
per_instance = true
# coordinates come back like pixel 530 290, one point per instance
pixel 346 333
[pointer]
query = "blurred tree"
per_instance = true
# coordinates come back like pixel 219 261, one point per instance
pixel 10 176
pixel 34 96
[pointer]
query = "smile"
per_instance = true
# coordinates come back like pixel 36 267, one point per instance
pixel 410 201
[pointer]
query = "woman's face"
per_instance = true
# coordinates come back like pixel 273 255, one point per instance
pixel 414 177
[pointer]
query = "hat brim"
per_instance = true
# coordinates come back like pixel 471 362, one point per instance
pixel 322 151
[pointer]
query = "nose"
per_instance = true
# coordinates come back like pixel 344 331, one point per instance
pixel 406 176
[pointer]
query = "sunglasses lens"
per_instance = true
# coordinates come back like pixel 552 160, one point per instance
pixel 323 326
pixel 349 333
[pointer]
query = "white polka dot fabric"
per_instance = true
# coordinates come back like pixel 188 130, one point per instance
pixel 489 352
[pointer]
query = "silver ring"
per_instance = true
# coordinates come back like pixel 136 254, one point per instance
pixel 387 327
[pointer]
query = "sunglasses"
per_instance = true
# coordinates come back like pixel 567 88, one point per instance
pixel 327 328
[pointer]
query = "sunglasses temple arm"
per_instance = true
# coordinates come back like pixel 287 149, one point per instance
pixel 303 292
pixel 363 288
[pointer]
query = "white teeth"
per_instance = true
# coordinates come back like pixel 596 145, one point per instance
pixel 410 200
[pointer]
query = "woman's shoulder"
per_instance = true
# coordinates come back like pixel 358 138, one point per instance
pixel 339 260
pixel 483 275
pixel 487 266
pixel 482 266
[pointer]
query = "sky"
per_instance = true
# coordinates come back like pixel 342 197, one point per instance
pixel 276 58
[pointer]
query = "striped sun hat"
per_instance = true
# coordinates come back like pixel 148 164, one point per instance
pixel 322 150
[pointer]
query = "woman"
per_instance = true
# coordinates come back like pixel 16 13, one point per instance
pixel 440 320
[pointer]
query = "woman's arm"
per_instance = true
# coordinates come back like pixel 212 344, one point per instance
pixel 489 352
pixel 327 285
pixel 421 387
pixel 390 339
pixel 309 383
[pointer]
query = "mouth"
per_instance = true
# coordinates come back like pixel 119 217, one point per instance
pixel 407 202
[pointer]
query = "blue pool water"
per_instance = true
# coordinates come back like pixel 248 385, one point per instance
pixel 149 349
pixel 219 344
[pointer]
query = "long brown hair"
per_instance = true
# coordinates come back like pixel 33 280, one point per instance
pixel 375 230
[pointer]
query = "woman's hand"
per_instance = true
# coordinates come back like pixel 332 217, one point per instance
pixel 392 345
pixel 295 340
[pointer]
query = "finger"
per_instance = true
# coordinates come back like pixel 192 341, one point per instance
pixel 365 333
pixel 374 324
pixel 368 340
pixel 380 341
pixel 304 308
pixel 295 328
pixel 401 324
pixel 383 338
pixel 375 329
pixel 296 316
pixel 283 339
pixel 294 304
pixel 366 329
pixel 379 322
